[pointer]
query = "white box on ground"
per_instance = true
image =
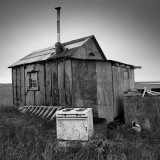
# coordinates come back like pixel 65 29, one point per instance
pixel 74 124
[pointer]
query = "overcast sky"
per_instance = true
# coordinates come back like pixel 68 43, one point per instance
pixel 127 30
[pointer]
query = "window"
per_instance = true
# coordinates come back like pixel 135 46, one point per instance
pixel 126 74
pixel 33 80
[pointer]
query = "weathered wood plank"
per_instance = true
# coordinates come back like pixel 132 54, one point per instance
pixel 22 84
pixel 89 83
pixel 126 79
pixel 54 83
pixel 104 90
pixel 18 75
pixel 77 99
pixel 121 89
pixel 84 85
pixel 118 90
pixel 131 82
pixel 40 93
pixel 61 83
pixel 68 83
pixel 48 89
pixel 115 90
pixel 14 87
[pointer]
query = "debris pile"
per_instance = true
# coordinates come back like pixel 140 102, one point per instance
pixel 142 92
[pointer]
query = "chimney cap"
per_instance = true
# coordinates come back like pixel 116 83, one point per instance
pixel 58 8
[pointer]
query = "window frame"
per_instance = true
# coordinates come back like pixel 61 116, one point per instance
pixel 31 88
pixel 126 74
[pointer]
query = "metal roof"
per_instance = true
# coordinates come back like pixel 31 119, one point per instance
pixel 49 53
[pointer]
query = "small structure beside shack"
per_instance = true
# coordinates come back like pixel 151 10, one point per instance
pixel 72 74
pixel 143 109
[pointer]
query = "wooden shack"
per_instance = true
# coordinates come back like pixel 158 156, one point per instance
pixel 79 76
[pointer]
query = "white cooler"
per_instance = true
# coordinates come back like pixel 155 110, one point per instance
pixel 74 124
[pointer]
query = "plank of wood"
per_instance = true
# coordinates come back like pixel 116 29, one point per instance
pixel 104 90
pixel 118 89
pixel 84 84
pixel 40 94
pixel 77 99
pixel 18 75
pixel 22 85
pixel 121 89
pixel 54 83
pixel 89 83
pixel 131 82
pixel 48 72
pixel 61 83
pixel 68 83
pixel 115 90
pixel 14 86
pixel 127 77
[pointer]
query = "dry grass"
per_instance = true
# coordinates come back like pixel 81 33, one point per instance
pixel 6 95
pixel 25 137
pixel 28 137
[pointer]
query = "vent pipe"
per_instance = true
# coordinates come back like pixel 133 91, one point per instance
pixel 58 45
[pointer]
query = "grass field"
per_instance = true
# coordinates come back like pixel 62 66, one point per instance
pixel 6 95
pixel 26 137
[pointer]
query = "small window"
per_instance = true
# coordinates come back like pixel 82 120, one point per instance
pixel 33 80
pixel 126 74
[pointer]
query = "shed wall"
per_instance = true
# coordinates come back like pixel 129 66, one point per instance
pixel 51 83
pixel 75 83
pixel 84 85
pixel 18 85
pixel 92 87
pixel 123 80
pixel 89 51
pixel 104 90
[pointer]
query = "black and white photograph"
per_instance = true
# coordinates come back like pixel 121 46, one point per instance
pixel 79 79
